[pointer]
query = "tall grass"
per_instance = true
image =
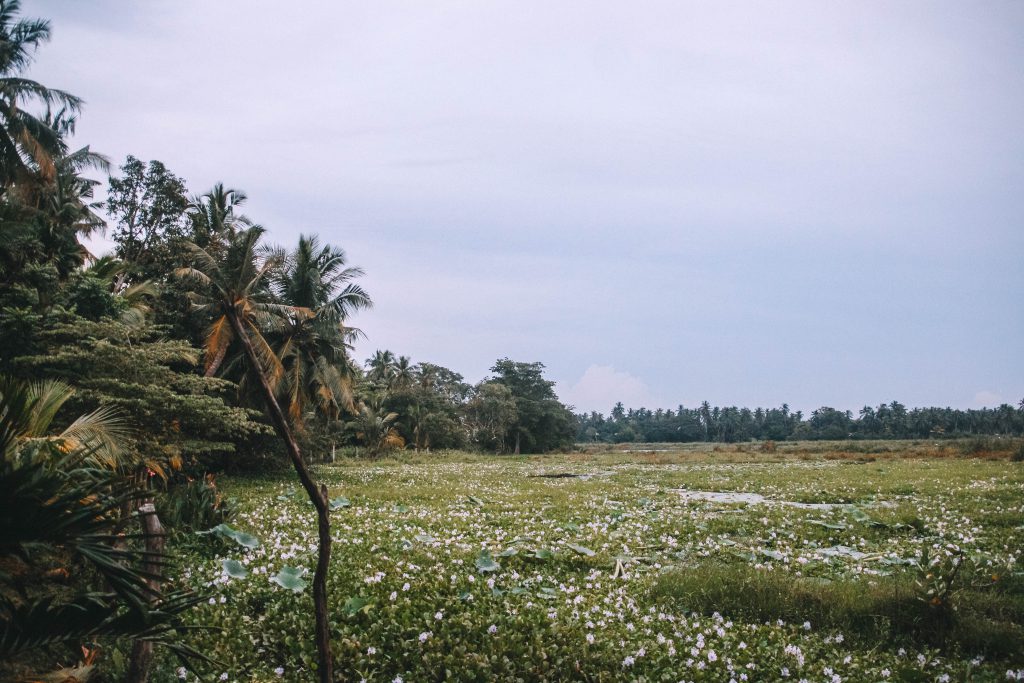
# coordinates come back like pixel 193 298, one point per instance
pixel 888 611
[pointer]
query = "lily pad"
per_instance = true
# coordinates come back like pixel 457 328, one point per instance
pixel 239 537
pixel 582 550
pixel 827 525
pixel 356 604
pixel 235 569
pixel 290 578
pixel 485 562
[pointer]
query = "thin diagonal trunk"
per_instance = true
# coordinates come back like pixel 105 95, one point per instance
pixel 317 496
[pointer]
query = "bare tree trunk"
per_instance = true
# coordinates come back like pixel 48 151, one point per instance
pixel 153 533
pixel 325 670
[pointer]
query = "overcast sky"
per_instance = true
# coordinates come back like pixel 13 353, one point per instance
pixel 664 202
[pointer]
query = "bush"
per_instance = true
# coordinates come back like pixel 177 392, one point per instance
pixel 195 505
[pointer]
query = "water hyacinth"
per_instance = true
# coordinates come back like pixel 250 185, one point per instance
pixel 425 579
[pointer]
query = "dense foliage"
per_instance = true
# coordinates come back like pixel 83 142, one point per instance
pixel 729 425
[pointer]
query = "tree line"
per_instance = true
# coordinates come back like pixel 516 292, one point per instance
pixel 732 424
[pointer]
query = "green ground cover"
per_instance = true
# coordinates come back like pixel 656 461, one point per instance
pixel 597 567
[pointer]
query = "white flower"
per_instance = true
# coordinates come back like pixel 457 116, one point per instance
pixel 279 671
pixel 492 629
pixel 396 679
pixel 224 676
pixel 712 657
pixel 393 596
pixel 406 586
pixel 439 615
pixel 885 673
pixel 371 650
pixel 628 662
pixel 425 635
pixel 807 626
pixel 182 672
pixel 590 638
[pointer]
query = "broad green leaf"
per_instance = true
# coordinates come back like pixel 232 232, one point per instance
pixel 543 554
pixel 508 552
pixel 356 604
pixel 582 550
pixel 827 525
pixel 290 578
pixel 400 509
pixel 773 554
pixel 476 501
pixel 858 514
pixel 424 538
pixel 485 562
pixel 340 502
pixel 239 537
pixel 235 569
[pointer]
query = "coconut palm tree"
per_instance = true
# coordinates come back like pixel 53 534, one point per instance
pixel 28 144
pixel 237 295
pixel 381 367
pixel 215 218
pixel 313 345
pixel 376 428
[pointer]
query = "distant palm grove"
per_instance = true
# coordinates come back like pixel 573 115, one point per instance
pixel 730 425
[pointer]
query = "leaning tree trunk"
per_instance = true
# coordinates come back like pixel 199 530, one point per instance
pixel 317 496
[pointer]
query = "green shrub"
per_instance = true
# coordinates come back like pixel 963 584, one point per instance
pixel 195 505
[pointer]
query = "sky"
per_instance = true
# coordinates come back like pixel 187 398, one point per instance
pixel 663 202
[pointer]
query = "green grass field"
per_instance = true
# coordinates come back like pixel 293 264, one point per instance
pixel 857 565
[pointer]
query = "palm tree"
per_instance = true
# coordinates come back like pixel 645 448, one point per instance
pixel 28 144
pixel 62 501
pixel 403 374
pixel 215 218
pixel 381 367
pixel 238 288
pixel 376 428
pixel 314 343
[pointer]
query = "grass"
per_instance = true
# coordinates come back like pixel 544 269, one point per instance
pixel 612 575
pixel 890 612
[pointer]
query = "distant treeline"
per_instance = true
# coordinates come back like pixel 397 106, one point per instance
pixel 732 424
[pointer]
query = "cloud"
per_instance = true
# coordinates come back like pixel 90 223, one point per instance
pixel 987 398
pixel 602 386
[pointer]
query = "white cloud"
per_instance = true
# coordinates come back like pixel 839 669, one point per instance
pixel 987 398
pixel 602 386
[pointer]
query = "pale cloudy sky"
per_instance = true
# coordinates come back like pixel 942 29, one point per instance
pixel 665 202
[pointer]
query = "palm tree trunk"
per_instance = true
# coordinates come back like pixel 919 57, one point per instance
pixel 325 669
pixel 214 366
